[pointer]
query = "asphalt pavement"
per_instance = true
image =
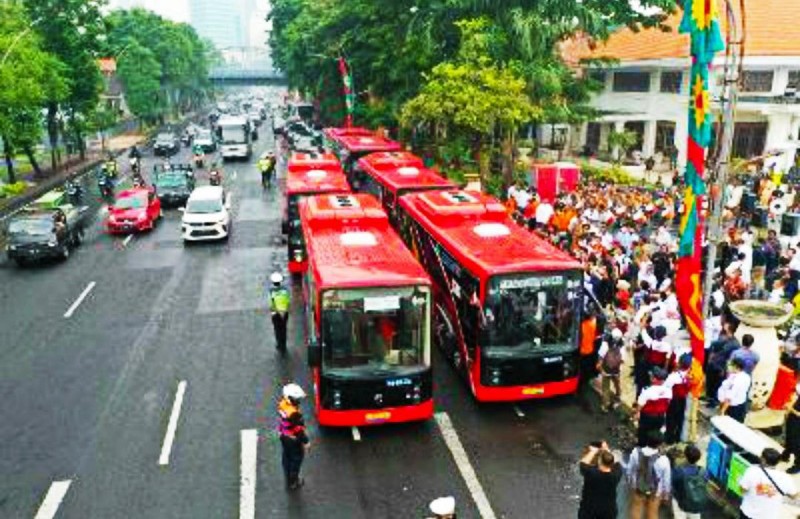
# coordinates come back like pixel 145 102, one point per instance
pixel 145 400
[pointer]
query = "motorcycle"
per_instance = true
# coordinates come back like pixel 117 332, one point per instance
pixel 186 139
pixel 199 159
pixel 215 178
pixel 138 180
pixel 74 191
pixel 135 164
pixel 106 185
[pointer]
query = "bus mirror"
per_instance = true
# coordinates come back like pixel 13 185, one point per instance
pixel 314 354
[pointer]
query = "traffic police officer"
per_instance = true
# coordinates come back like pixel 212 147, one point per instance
pixel 279 308
pixel 292 431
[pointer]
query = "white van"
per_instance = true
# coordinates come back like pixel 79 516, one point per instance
pixel 206 215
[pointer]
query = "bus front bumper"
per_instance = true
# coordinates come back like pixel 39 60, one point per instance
pixel 363 417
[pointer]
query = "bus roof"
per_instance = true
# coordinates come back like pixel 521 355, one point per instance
pixel 476 229
pixel 401 170
pixel 307 161
pixel 352 245
pixel 309 181
pixel 367 143
pixel 355 131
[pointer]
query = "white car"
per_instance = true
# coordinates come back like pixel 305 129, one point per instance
pixel 206 215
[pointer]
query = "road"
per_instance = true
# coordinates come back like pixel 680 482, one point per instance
pixel 93 424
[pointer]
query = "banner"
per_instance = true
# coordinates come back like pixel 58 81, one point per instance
pixel 349 95
pixel 701 22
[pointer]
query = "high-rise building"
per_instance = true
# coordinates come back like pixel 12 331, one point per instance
pixel 224 22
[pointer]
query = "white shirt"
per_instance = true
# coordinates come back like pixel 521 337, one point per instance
pixel 544 212
pixel 735 389
pixel 676 378
pixel 523 198
pixel 761 498
pixel 713 327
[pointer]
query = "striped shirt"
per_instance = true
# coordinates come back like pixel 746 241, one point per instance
pixel 654 400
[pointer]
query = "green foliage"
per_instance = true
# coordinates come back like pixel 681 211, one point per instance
pixel 623 140
pixel 163 65
pixel 609 175
pixel 391 44
pixel 15 189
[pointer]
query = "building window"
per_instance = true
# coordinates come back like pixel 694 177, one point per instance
pixel 631 82
pixel 757 80
pixel 794 79
pixel 671 81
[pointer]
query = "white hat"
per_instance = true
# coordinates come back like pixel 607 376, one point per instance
pixel 443 506
pixel 616 333
pixel 276 278
pixel 293 391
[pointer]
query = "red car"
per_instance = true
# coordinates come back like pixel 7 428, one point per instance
pixel 136 209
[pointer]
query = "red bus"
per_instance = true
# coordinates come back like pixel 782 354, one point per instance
pixel 307 174
pixel 350 144
pixel 331 136
pixel 391 174
pixel 507 304
pixel 368 315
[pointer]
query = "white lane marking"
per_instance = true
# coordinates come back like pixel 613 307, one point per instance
pixel 127 240
pixel 80 299
pixel 172 426
pixel 53 499
pixel 247 483
pixel 519 412
pixel 356 434
pixel 235 174
pixel 464 466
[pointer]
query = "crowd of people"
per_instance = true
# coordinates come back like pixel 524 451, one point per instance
pixel 627 239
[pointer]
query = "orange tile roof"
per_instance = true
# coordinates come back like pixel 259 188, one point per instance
pixel 107 65
pixel 772 30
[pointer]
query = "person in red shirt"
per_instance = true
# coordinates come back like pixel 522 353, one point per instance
pixel 651 406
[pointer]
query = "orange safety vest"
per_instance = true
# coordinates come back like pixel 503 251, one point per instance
pixel 588 335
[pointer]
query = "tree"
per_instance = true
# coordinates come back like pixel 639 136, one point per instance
pixel 70 30
pixel 620 143
pixel 473 95
pixel 27 75
pixel 140 72
pixel 183 60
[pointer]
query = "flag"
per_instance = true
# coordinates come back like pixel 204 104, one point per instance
pixel 349 96
pixel 701 22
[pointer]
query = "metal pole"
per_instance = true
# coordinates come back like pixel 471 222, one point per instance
pixel 730 92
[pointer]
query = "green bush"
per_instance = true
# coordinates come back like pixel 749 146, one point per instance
pixel 609 175
pixel 17 188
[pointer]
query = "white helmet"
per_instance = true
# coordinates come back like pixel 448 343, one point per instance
pixel 616 333
pixel 293 391
pixel 276 278
pixel 443 506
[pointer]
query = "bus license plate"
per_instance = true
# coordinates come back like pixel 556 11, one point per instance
pixel 377 417
pixel 533 391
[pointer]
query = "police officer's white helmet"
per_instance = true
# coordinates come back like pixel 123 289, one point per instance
pixel 443 506
pixel 276 278
pixel 293 391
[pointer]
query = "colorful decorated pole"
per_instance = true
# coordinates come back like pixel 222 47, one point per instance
pixel 701 22
pixel 349 96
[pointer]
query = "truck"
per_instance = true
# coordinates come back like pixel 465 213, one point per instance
pixel 40 232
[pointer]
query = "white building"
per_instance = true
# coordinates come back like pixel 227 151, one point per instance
pixel 646 91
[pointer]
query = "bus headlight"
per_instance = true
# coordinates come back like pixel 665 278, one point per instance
pixel 337 399
pixel 298 255
pixel 494 376
pixel 417 395
pixel 570 368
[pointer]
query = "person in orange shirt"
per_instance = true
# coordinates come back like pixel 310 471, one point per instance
pixel 587 349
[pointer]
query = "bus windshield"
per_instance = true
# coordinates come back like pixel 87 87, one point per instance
pixel 375 331
pixel 531 314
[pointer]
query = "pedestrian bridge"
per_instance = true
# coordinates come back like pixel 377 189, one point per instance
pixel 238 75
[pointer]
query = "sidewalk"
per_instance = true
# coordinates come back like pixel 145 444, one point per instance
pixel 116 146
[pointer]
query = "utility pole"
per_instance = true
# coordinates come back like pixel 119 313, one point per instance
pixel 734 55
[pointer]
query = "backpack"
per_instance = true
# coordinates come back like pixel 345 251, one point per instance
pixel 646 480
pixel 695 493
pixel 612 361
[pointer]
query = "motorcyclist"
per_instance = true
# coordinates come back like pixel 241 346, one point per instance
pixel 135 157
pixel 199 155
pixel 279 308
pixel 105 183
pixel 215 176
pixel 110 166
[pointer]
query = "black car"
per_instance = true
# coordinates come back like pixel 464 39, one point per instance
pixel 34 235
pixel 174 187
pixel 166 144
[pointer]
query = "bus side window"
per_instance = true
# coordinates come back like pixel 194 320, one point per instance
pixel 389 204
pixel 469 312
